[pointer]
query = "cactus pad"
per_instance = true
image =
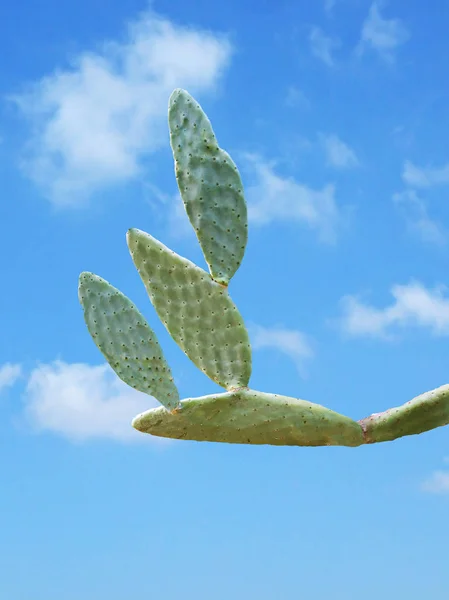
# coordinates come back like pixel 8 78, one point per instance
pixel 198 312
pixel 126 340
pixel 251 417
pixel 210 187
pixel 423 413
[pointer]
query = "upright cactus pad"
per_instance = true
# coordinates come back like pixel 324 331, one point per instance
pixel 126 340
pixel 423 413
pixel 252 417
pixel 210 187
pixel 198 312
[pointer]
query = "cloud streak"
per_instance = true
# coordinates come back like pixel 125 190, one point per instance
pixel 381 35
pixel 323 46
pixel 293 343
pixel 275 198
pixel 418 220
pixel 329 6
pixel 413 305
pixel 338 153
pixel 425 177
pixel 9 374
pixel 437 483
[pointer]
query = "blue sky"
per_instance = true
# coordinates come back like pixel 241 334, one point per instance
pixel 336 113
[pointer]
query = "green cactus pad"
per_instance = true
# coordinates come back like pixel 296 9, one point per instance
pixel 252 417
pixel 197 312
pixel 210 187
pixel 423 413
pixel 126 340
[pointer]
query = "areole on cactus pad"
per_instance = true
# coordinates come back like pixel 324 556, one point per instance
pixel 198 312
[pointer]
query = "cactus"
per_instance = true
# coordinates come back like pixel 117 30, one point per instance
pixel 423 413
pixel 196 309
pixel 126 340
pixel 210 186
pixel 251 417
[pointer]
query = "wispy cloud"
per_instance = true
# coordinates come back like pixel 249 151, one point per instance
pixel 425 177
pixel 296 98
pixel 414 305
pixel 178 222
pixel 418 221
pixel 329 6
pixel 81 402
pixel 382 35
pixel 323 46
pixel 9 374
pixel 338 153
pixel 274 198
pixel 92 124
pixel 437 483
pixel 294 344
pixel 172 208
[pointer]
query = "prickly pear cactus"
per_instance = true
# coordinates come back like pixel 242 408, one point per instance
pixel 423 413
pixel 198 312
pixel 126 340
pixel 250 417
pixel 210 186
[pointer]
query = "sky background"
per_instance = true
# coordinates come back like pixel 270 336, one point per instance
pixel 337 115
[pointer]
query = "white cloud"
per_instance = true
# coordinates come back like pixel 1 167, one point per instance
pixel 417 218
pixel 339 154
pixel 437 483
pixel 81 402
pixel 413 305
pixel 382 35
pixel 422 177
pixel 92 123
pixel 290 342
pixel 322 46
pixel 275 198
pixel 9 374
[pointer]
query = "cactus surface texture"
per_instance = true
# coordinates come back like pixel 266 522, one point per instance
pixel 126 340
pixel 199 314
pixel 423 413
pixel 197 311
pixel 251 417
pixel 210 187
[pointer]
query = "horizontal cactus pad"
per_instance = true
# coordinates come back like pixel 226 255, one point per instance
pixel 125 339
pixel 251 417
pixel 210 187
pixel 198 312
